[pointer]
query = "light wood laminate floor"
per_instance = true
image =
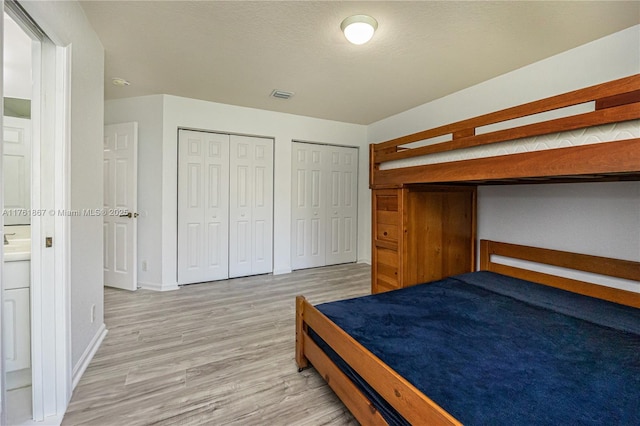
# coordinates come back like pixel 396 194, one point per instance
pixel 216 353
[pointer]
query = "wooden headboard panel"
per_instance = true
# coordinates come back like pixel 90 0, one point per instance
pixel 615 101
pixel 580 262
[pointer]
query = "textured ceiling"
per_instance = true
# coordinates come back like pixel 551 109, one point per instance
pixel 237 52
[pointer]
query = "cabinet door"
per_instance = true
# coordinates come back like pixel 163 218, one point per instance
pixel 203 206
pixel 251 206
pixel 17 331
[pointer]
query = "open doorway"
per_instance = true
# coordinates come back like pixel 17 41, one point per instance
pixel 16 157
pixel 34 287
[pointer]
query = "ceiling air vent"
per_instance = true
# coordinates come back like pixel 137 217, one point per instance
pixel 281 94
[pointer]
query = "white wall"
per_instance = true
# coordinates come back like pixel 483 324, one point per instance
pixel 66 24
pixel 598 219
pixel 158 170
pixel 609 58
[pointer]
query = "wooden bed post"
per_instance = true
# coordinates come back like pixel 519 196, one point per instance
pixel 485 256
pixel 301 360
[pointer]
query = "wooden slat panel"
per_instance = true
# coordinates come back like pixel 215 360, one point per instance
pixel 356 402
pixel 414 406
pixel 604 116
pixel 610 157
pixel 600 91
pixel 579 262
pixel 594 290
pixel 621 99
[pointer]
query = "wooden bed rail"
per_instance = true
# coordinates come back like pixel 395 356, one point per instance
pixel 578 262
pixel 615 101
pixel 415 407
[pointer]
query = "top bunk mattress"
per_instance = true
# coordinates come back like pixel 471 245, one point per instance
pixel 586 136
pixel 492 349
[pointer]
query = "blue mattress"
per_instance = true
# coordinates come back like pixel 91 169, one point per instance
pixel 496 350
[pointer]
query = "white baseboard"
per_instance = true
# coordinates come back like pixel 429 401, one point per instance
pixel 367 261
pixel 281 271
pixel 158 287
pixel 88 354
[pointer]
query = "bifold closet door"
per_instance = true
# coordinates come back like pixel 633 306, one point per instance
pixel 203 206
pixel 251 206
pixel 324 207
pixel 308 196
pixel 342 205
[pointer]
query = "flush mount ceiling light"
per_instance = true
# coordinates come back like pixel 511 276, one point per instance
pixel 121 82
pixel 359 29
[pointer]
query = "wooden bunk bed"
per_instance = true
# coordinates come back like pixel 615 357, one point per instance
pixel 424 219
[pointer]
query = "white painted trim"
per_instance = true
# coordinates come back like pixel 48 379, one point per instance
pixel 88 354
pixel 48 421
pixel 3 405
pixel 366 261
pixel 158 287
pixel 38 300
pixel 282 271
pixel 64 387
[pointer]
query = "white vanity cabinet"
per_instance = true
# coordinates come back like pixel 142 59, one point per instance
pixel 17 330
pixel 17 319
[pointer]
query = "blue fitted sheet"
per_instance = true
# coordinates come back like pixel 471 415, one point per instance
pixel 497 350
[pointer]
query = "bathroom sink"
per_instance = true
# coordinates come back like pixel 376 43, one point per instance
pixel 18 249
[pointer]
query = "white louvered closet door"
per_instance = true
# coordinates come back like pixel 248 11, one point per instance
pixel 251 206
pixel 324 205
pixel 203 206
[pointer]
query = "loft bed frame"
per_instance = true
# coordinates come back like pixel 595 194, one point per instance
pixel 413 405
pixel 615 101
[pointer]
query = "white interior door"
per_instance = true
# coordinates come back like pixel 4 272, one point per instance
pixel 250 206
pixel 120 205
pixel 324 205
pixel 203 206
pixel 342 205
pixel 17 169
pixel 308 205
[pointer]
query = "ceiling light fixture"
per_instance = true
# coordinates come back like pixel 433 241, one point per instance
pixel 121 82
pixel 359 29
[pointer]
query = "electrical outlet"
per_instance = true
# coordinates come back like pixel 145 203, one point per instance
pixel 144 265
pixel 93 313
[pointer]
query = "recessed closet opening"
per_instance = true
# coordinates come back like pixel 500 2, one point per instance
pixel 225 206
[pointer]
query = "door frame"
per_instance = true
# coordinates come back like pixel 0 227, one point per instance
pixel 50 325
